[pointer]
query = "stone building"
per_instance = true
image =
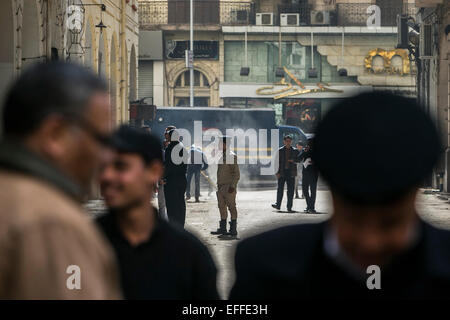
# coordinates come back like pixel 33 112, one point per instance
pixel 331 47
pixel 171 18
pixel 433 20
pixel 43 30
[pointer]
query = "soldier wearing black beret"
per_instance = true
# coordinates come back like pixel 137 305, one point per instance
pixel 375 245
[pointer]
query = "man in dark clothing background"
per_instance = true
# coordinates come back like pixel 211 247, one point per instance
pixel 310 176
pixel 287 171
pixel 197 162
pixel 157 260
pixel 175 165
pixel 375 245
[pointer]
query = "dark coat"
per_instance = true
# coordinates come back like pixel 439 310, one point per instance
pixel 310 169
pixel 171 265
pixel 175 171
pixel 289 263
pixel 294 155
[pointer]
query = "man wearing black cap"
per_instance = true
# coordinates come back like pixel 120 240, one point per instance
pixel 310 176
pixel 157 260
pixel 287 171
pixel 175 166
pixel 375 245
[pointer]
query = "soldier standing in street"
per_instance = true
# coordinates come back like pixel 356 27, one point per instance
pixel 227 179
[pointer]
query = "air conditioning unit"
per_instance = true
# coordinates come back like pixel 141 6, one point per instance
pixel 264 19
pixel 320 17
pixel 426 41
pixel 289 19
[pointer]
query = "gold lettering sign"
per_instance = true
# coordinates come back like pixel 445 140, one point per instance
pixel 387 61
pixel 290 90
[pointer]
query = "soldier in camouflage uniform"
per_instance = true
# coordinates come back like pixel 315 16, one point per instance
pixel 227 179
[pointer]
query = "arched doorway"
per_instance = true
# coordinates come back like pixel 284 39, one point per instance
pixel 7 64
pixel 31 37
pixel 202 91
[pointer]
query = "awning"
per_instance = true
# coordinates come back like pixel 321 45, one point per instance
pixel 150 45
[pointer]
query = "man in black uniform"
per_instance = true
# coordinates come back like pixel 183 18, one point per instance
pixel 287 171
pixel 310 176
pixel 175 164
pixel 375 238
pixel 157 260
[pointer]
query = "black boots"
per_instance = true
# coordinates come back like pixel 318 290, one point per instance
pixel 222 228
pixel 233 228
pixel 232 234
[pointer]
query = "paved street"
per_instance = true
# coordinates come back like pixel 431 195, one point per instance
pixel 256 215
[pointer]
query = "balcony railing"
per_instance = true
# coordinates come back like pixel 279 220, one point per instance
pixel 205 12
pixel 237 13
pixel 355 14
pixel 153 13
pixel 214 12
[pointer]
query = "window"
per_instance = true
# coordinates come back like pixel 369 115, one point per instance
pixel 184 80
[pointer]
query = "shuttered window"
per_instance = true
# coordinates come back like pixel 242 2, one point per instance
pixel 145 79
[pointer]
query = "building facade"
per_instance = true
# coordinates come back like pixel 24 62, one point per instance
pixel 302 56
pixel 433 23
pixel 102 35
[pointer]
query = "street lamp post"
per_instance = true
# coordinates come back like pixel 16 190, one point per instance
pixel 191 71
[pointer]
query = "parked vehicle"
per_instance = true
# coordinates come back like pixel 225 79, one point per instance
pixel 220 119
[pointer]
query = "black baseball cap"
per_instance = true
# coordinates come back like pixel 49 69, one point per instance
pixel 127 139
pixel 376 147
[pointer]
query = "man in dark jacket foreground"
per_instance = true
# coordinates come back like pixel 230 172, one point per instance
pixel 375 245
pixel 157 260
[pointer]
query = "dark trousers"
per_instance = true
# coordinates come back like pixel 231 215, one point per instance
pixel 176 206
pixel 196 174
pixel 310 183
pixel 290 181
